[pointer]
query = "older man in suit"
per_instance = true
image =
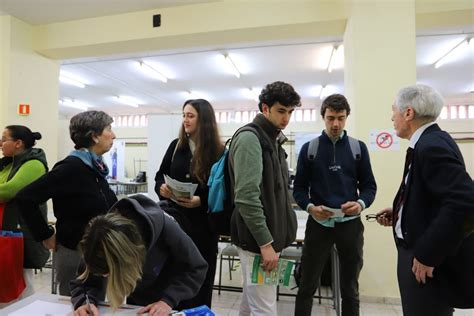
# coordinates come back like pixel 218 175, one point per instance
pixel 433 211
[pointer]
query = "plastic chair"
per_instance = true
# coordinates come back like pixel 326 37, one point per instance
pixel 230 254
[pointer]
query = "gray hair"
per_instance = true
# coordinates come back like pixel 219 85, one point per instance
pixel 426 101
pixel 85 125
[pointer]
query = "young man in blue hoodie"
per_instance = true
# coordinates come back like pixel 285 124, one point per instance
pixel 333 177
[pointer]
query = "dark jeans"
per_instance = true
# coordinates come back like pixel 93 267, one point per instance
pixel 419 299
pixel 349 239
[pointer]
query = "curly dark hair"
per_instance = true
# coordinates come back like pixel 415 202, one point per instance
pixel 336 102
pixel 280 92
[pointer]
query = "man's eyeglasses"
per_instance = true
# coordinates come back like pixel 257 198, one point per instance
pixel 372 217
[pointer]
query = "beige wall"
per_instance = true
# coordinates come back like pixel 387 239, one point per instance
pixel 4 67
pixel 215 23
pixel 30 78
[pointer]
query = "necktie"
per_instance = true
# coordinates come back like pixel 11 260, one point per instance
pixel 401 190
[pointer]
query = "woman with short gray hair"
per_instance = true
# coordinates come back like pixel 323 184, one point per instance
pixel 79 190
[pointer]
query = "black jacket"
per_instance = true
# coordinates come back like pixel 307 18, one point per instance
pixel 78 192
pixel 439 205
pixel 174 269
pixel 332 187
pixel 177 165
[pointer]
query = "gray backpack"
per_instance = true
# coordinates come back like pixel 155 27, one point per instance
pixel 314 144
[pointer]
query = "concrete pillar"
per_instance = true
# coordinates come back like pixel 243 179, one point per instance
pixel 380 58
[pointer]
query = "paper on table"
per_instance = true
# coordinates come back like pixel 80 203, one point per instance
pixel 181 189
pixel 46 308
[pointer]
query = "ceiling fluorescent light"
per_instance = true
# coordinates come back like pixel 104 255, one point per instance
pixel 71 81
pixel 231 65
pixel 326 91
pixel 317 90
pixel 332 58
pixel 460 45
pixel 190 94
pixel 152 72
pixel 254 94
pixel 127 101
pixel 75 104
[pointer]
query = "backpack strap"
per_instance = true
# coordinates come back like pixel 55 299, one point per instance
pixel 313 148
pixel 355 148
pixel 254 128
pixel 353 143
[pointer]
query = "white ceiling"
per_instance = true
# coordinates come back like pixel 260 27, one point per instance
pixel 36 12
pixel 204 73
pixel 301 64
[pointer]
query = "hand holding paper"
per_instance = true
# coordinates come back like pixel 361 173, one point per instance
pixel 336 212
pixel 180 189
pixel 351 208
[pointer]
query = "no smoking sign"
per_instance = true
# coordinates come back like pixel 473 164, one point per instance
pixel 384 140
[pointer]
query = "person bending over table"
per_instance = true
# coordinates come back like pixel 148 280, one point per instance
pixel 142 254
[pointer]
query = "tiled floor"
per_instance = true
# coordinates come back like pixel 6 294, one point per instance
pixel 227 303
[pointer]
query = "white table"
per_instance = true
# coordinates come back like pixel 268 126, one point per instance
pixel 21 307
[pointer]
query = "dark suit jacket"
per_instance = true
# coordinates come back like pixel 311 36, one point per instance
pixel 439 202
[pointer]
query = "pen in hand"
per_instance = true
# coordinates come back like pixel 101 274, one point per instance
pixel 89 310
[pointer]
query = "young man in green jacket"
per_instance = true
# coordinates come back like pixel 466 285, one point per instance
pixel 263 221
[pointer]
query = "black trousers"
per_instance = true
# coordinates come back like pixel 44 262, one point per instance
pixel 196 225
pixel 418 299
pixel 349 239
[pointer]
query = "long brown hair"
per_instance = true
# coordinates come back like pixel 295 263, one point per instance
pixel 208 144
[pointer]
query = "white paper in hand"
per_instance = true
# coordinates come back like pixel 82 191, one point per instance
pixel 337 212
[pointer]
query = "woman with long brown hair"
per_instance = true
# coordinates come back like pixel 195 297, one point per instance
pixel 189 159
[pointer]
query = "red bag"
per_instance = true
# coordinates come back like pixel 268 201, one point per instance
pixel 2 206
pixel 11 266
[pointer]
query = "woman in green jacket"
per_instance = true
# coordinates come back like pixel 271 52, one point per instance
pixel 20 165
